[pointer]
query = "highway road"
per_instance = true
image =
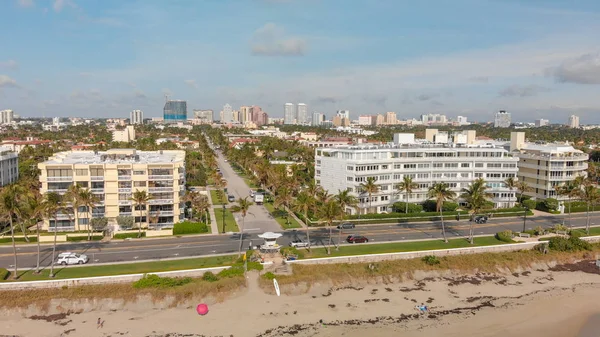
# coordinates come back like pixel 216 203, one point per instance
pixel 148 249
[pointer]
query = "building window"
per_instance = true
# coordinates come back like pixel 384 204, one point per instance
pixel 349 178
pixel 96 172
pixel 384 187
pixel 494 165
pixel 397 166
pixel 60 172
pixel 410 166
pixel 423 166
pixel 350 168
pixel 81 172
pixel 451 165
pixel 478 164
pixel 423 176
pixel 139 173
pixel 139 184
pixel 438 165
pixel 465 165
pixel 384 167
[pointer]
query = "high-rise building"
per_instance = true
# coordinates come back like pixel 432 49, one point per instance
pixel 289 115
pixel 462 120
pixel 205 116
pixel 136 117
pixel 227 114
pixel 317 118
pixel 175 111
pixel 9 166
pixel 365 119
pixel 258 116
pixel 6 116
pixel 502 119
pixel 434 119
pixel 574 121
pixel 301 113
pixel 377 120
pixel 126 135
pixel 390 118
pixel 343 114
pixel 541 122
pixel 113 176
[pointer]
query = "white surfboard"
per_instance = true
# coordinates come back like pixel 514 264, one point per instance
pixel 276 287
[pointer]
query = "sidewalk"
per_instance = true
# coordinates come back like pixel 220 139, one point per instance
pixel 302 224
pixel 214 228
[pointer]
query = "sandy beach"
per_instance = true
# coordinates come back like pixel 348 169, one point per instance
pixel 541 302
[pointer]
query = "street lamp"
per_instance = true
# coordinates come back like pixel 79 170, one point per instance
pixel 224 208
pixel 525 218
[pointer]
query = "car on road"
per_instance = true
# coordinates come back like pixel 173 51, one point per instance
pixel 346 225
pixel 299 243
pixel 251 194
pixel 356 239
pixel 481 219
pixel 71 258
pixel 225 160
pixel 231 198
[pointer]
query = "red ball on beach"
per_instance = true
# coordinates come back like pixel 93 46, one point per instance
pixel 202 309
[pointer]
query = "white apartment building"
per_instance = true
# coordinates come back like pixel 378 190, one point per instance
pixel 6 116
pixel 546 166
pixel 574 121
pixel 9 166
pixel 126 135
pixel 136 117
pixel 364 119
pixel 317 118
pixel 301 113
pixel 434 119
pixel 204 116
pixel 289 113
pixel 113 176
pixel 502 119
pixel 541 122
pixel 346 167
pixel 227 114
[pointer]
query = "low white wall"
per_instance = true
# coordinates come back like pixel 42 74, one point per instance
pixel 103 279
pixel 438 252
pixel 163 232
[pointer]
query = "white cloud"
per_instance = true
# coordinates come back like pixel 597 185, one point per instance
pixel 59 5
pixel 7 82
pixel 10 64
pixel 271 40
pixel 26 3
pixel 191 83
pixel 584 69
pixel 522 90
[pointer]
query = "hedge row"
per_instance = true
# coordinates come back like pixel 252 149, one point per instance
pixel 84 238
pixel 21 239
pixel 188 227
pixel 128 235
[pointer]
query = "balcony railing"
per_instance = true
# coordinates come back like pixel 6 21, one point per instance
pixel 64 216
pixel 162 213
pixel 162 225
pixel 160 189
pixel 62 229
pixel 57 190
pixel 160 201
pixel 97 178
pixel 60 178
pixel 124 178
pixel 97 190
pixel 125 190
pixel 124 202
pixel 97 215
pixel 99 203
pixel 125 213
pixel 161 177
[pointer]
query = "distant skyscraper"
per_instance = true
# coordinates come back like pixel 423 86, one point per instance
pixel 136 117
pixel 541 122
pixel 227 114
pixel 6 116
pixel 434 119
pixel 462 120
pixel 502 119
pixel 245 114
pixel 206 116
pixel 301 113
pixel 289 115
pixel 317 118
pixel 175 111
pixel 343 114
pixel 574 121
pixel 390 118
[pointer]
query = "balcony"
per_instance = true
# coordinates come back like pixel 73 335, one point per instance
pixel 161 225
pixel 125 190
pixel 99 203
pixel 161 177
pixel 160 201
pixel 124 178
pixel 125 213
pixel 124 202
pixel 162 213
pixel 97 215
pixel 97 178
pixel 64 216
pixel 60 178
pixel 58 190
pixel 160 189
pixel 62 229
pixel 97 190
pixel 181 175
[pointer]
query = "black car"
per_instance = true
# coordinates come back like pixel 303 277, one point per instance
pixel 481 219
pixel 231 198
pixel 356 239
pixel 346 225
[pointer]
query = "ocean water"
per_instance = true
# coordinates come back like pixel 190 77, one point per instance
pixel 591 328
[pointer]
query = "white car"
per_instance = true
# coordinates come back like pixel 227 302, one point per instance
pixel 71 258
pixel 299 243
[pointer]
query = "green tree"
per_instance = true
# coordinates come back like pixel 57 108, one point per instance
pixel 10 207
pixel 242 207
pixel 408 186
pixel 476 196
pixel 140 200
pixel 570 189
pixel 88 200
pixel 369 187
pixel 33 210
pixel 345 200
pixel 52 205
pixel 73 196
pixel 329 212
pixel 511 184
pixel 441 192
pixel 304 202
pixel 589 194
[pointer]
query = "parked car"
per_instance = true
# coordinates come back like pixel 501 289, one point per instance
pixel 481 219
pixel 71 258
pixel 356 239
pixel 251 193
pixel 346 225
pixel 231 198
pixel 299 243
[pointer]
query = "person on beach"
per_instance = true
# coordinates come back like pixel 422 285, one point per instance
pixel 101 324
pixel 98 324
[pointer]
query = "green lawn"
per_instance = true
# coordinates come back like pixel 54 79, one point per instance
pixel 593 231
pixel 214 196
pixel 363 249
pixel 130 268
pixel 230 224
pixel 280 217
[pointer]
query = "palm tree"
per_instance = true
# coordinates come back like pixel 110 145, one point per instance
pixel 33 209
pixel 589 194
pixel 345 200
pixel 370 188
pixel 140 200
pixel 88 200
pixel 329 212
pixel 476 196
pixel 73 196
pixel 243 204
pixel 510 183
pixel 570 189
pixel 303 203
pixel 522 187
pixel 52 205
pixel 407 185
pixel 10 207
pixel 441 192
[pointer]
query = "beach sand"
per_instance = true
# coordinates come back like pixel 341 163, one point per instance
pixel 540 302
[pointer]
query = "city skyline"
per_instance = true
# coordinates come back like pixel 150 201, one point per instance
pixel 75 58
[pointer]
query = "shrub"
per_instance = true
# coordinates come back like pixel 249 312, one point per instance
pixel 530 232
pixel 579 244
pixel 291 251
pixel 539 230
pixel 4 274
pixel 576 233
pixel 559 227
pixel 269 276
pixel 551 204
pixel 210 277
pixel 9 239
pixel 529 204
pixel 233 271
pixel 542 247
pixel 128 235
pixel 431 260
pixel 505 236
pixel 571 244
pixel 84 238
pixel 155 281
pixel 400 207
pixel 254 266
pixel 99 224
pixel 448 206
pixel 188 227
pixel 125 222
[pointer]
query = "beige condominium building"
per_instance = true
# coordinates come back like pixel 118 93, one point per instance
pixel 113 176
pixel 545 166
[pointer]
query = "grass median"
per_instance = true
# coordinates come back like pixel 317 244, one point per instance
pixel 230 224
pixel 216 198
pixel 364 249
pixel 280 217
pixel 63 272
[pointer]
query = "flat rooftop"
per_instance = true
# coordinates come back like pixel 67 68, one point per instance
pixel 117 156
pixel 418 145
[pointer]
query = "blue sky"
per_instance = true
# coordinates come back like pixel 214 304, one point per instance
pixel 535 58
